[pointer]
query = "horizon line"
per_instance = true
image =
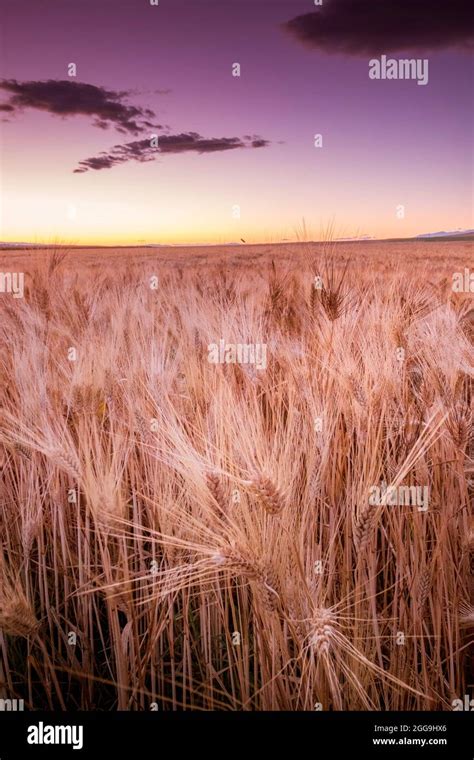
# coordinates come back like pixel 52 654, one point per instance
pixel 441 235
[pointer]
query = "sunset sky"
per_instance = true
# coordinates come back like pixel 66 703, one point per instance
pixel 76 162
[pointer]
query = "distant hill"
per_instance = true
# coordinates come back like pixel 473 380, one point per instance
pixel 21 245
pixel 354 239
pixel 451 234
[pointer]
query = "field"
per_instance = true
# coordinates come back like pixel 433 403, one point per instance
pixel 178 533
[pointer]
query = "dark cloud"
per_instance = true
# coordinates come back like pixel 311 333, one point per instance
pixel 143 150
pixel 373 27
pixel 108 108
pixel 69 98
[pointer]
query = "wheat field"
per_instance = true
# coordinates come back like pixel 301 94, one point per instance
pixel 178 534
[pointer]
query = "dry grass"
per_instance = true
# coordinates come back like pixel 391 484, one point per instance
pixel 207 543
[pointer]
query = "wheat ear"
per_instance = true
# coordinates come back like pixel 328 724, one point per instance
pixel 217 492
pixel 268 494
pixel 362 528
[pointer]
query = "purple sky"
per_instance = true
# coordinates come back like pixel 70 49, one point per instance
pixel 228 141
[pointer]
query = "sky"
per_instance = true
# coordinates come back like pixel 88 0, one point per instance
pixel 235 156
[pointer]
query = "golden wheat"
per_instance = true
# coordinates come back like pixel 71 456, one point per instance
pixel 206 529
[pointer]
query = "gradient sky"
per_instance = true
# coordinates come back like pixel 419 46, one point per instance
pixel 385 143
